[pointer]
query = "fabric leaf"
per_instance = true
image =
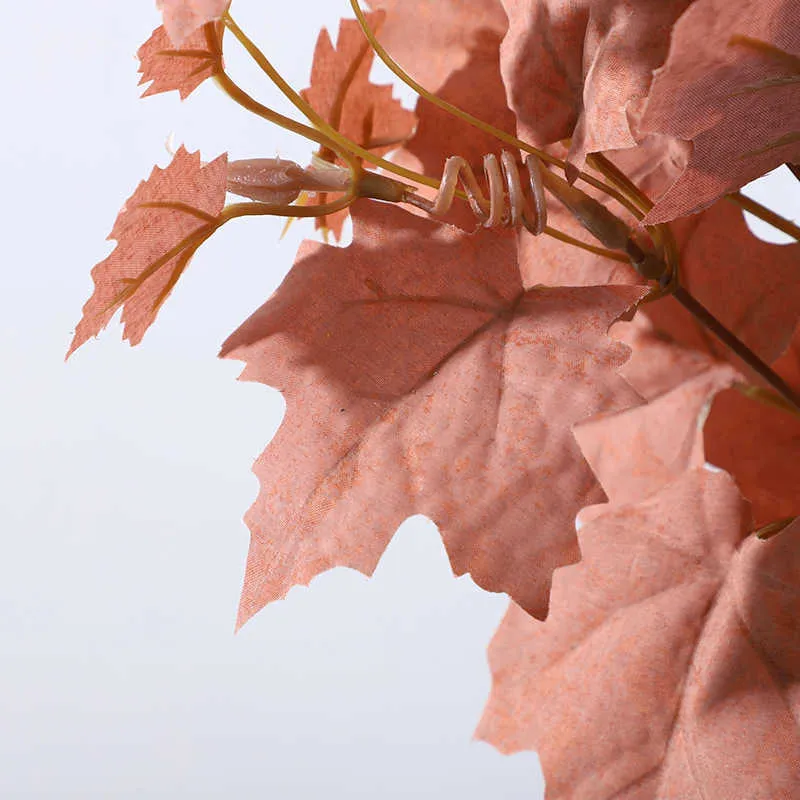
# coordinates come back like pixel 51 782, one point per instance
pixel 759 444
pixel 421 377
pixel 637 451
pixel 432 39
pixel 170 67
pixel 341 93
pixel 582 69
pixel 153 244
pixel 183 17
pixel 670 662
pixel 737 103
pixel 754 440
pixel 669 665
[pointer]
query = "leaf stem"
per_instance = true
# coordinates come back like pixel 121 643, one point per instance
pixel 661 234
pixel 765 214
pixel 590 248
pixel 316 120
pixel 475 122
pixel 774 528
pixel 701 313
pixel 327 136
pixel 766 396
pixel 189 245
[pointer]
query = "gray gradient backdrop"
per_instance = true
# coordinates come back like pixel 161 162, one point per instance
pixel 125 474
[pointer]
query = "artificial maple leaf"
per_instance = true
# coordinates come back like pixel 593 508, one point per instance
pixel 582 69
pixel 657 363
pixel 759 444
pixel 181 68
pixel 736 102
pixel 759 305
pixel 670 663
pixel 638 451
pixel 752 438
pixel 722 264
pixel 432 39
pixel 154 233
pixel 341 93
pixel 436 384
pixel 183 17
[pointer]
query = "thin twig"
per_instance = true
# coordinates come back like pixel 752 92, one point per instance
pixel 766 396
pixel 701 313
pixel 763 213
pixel 774 528
pixel 475 122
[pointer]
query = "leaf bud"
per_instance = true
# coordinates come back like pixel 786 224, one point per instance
pixel 279 181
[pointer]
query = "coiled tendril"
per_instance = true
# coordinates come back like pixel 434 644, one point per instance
pixel 503 207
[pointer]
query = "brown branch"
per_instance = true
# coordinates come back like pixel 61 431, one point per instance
pixel 770 217
pixel 701 313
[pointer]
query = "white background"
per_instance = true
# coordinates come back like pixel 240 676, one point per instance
pixel 125 474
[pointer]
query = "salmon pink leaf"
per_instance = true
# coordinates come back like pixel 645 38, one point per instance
pixel 748 433
pixel 729 86
pixel 581 70
pixel 657 363
pixel 156 232
pixel 183 17
pixel 759 444
pixel 670 663
pixel 183 69
pixel 638 451
pixel 432 39
pixel 420 376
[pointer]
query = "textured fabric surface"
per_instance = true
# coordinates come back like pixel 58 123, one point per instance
pixel 421 377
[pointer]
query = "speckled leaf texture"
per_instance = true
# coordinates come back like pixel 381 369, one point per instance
pixel 737 103
pixel 420 376
pixel 149 241
pixel 582 68
pixel 669 667
pixel 167 67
